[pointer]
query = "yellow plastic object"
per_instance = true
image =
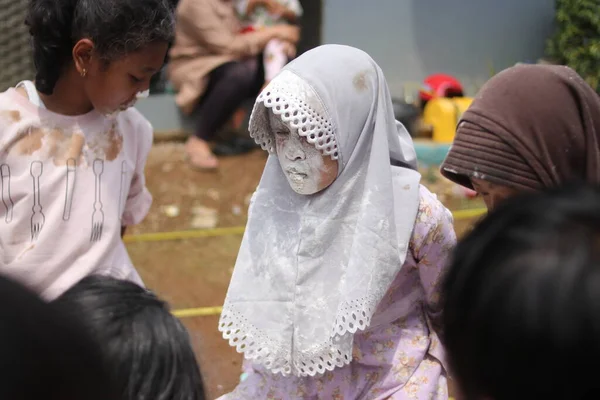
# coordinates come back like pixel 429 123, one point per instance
pixel 442 114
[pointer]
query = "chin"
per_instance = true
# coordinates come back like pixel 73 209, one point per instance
pixel 106 109
pixel 127 105
pixel 306 192
pixel 115 111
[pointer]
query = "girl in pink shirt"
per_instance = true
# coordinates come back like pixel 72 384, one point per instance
pixel 72 151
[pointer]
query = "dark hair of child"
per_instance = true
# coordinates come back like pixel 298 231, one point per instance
pixel 147 349
pixel 45 354
pixel 522 300
pixel 116 28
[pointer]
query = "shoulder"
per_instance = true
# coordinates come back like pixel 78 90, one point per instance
pixel 132 120
pixel 11 100
pixel 15 110
pixel 7 95
pixel 434 224
pixel 136 127
pixel 431 209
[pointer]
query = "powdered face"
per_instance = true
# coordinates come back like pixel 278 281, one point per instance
pixel 305 167
pixel 123 107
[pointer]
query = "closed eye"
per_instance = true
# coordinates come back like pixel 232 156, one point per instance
pixel 135 79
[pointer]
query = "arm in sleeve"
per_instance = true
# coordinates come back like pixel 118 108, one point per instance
pixel 204 23
pixel 139 198
pixel 436 239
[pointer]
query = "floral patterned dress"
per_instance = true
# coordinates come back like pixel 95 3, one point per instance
pixel 400 356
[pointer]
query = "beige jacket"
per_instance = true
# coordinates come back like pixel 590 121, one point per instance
pixel 207 35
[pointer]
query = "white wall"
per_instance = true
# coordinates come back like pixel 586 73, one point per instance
pixel 410 39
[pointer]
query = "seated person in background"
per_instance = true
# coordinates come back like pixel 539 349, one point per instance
pixel 215 67
pixel 147 349
pixel 257 14
pixel 522 300
pixel 45 354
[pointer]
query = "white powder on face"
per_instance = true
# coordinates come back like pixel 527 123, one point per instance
pixel 300 161
pixel 113 113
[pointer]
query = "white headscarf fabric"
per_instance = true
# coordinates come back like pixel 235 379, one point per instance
pixel 311 270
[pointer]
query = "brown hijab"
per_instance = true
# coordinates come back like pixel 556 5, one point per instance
pixel 530 127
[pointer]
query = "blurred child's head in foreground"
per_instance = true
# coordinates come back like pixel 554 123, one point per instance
pixel 46 353
pixel 146 348
pixel 522 299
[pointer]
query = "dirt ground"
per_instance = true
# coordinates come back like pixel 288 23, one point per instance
pixel 195 272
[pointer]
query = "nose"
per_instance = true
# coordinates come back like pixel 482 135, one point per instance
pixel 294 152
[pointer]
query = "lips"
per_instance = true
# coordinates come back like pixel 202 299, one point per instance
pixel 295 172
pixel 298 174
pixel 296 177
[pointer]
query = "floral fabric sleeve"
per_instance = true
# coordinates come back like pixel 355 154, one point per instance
pixel 433 242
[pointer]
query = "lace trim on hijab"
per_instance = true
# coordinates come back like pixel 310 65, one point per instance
pixel 336 352
pixel 299 107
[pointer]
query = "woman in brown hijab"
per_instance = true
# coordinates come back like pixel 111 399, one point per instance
pixel 530 127
pixel 214 66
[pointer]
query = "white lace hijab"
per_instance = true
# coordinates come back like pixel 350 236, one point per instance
pixel 311 270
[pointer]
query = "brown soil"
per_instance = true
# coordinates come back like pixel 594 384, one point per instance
pixel 195 272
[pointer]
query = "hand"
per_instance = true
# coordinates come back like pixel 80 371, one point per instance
pixel 287 33
pixel 289 50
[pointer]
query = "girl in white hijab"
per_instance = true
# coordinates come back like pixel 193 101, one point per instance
pixel 335 292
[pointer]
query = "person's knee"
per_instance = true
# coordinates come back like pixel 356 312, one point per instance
pixel 241 75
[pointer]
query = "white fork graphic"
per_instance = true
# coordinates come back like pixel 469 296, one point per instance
pixel 38 218
pixel 70 187
pixel 98 215
pixel 122 188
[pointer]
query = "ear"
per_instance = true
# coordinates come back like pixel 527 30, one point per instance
pixel 82 55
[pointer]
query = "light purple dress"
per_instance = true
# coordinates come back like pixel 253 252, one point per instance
pixel 398 360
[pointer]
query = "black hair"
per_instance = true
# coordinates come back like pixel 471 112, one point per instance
pixel 44 354
pixel 522 299
pixel 147 349
pixel 117 28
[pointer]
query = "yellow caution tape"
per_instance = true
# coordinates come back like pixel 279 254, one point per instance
pixel 210 311
pixel 238 230
pixel 468 213
pixel 179 235
pixel 198 312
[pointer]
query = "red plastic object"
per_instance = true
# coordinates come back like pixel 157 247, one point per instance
pixel 247 29
pixel 439 85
